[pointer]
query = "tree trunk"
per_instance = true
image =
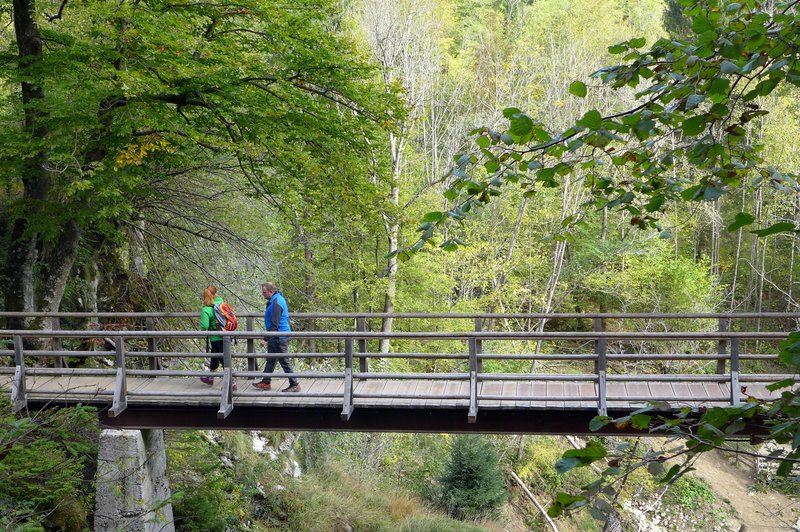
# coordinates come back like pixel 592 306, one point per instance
pixel 22 245
pixel 59 259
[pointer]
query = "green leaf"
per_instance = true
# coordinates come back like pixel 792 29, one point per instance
pixel 592 120
pixel 578 88
pixel 728 67
pixel 701 24
pixel 655 468
pixel 521 124
pixel 509 112
pixel 670 474
pixel 598 422
pixel 694 125
pixel 641 421
pixel 780 227
pixel 637 42
pixel 617 49
pixel 741 220
pixel 483 141
pixel 433 216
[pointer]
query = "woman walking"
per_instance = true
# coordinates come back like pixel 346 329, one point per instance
pixel 208 322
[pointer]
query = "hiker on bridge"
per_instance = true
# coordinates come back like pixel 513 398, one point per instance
pixel 276 318
pixel 208 322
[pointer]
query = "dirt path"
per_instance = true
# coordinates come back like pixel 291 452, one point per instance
pixel 758 512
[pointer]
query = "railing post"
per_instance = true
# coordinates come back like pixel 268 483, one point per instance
pixel 55 324
pixel 363 361
pixel 226 404
pixel 479 343
pixel 347 402
pixel 598 325
pixel 19 396
pixel 722 344
pixel 120 402
pixel 155 362
pixel 252 362
pixel 472 415
pixel 600 364
pixel 735 372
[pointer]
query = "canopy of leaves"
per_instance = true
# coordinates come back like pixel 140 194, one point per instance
pixel 686 140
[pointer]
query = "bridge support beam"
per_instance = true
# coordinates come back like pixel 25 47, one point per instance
pixel 132 487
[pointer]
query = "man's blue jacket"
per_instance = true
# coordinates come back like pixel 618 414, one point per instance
pixel 276 315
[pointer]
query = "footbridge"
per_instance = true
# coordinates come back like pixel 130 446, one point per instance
pixel 494 373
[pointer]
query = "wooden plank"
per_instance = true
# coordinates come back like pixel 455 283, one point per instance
pixel 489 388
pixel 392 387
pixel 405 387
pixel 452 388
pixel 587 389
pixel 616 389
pixel 713 391
pixel 661 389
pixel 539 389
pixel 371 386
pixel 570 390
pixel 680 389
pixel 438 388
pixel 524 389
pixel 696 389
pixel 423 388
pixel 554 391
pixel 509 390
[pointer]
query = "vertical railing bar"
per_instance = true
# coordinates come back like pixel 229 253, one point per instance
pixel 735 400
pixel 722 344
pixel 602 406
pixel 19 396
pixel 252 362
pixel 363 361
pixel 472 415
pixel 597 325
pixel 154 362
pixel 55 324
pixel 120 401
pixel 226 402
pixel 347 400
pixel 479 344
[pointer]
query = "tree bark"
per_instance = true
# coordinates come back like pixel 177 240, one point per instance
pixel 22 244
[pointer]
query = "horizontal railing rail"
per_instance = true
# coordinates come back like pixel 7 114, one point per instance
pixel 352 344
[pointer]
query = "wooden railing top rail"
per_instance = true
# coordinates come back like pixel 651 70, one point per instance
pixel 422 315
pixel 437 335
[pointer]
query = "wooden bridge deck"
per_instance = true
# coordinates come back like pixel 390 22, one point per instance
pixel 386 393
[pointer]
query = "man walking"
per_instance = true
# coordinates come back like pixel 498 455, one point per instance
pixel 276 318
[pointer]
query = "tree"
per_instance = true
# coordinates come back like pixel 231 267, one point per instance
pixel 687 139
pixel 696 101
pixel 472 482
pixel 114 112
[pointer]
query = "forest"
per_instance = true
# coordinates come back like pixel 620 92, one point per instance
pixel 509 156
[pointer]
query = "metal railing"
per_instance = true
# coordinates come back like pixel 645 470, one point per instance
pixel 355 343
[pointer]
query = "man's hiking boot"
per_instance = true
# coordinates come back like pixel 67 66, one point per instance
pixel 265 386
pixel 207 380
pixel 292 388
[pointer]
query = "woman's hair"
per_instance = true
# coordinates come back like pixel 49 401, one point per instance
pixel 209 294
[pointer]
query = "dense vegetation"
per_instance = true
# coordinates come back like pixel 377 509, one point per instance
pixel 320 144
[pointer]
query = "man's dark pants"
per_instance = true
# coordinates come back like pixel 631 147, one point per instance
pixel 275 345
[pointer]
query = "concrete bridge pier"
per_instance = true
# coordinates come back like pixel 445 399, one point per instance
pixel 132 486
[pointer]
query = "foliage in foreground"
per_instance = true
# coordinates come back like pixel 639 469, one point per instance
pixel 47 466
pixel 696 431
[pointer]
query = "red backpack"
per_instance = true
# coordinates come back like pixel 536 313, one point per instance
pixel 226 318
